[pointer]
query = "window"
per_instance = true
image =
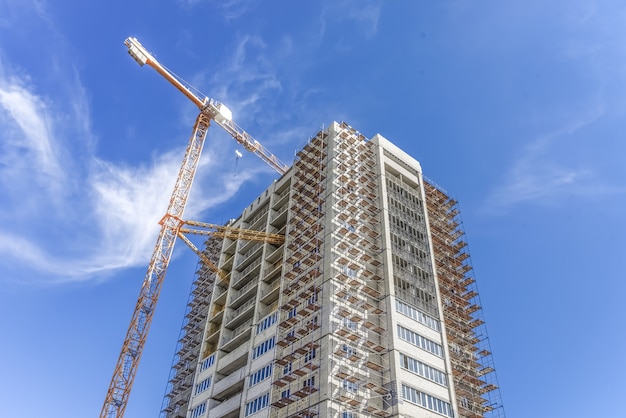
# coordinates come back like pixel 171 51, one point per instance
pixel 293 312
pixel 267 322
pixel 204 385
pixel 310 355
pixel 464 402
pixel 285 394
pixel 348 226
pixel 350 324
pixel 313 298
pixel 198 410
pixel 260 375
pixel 257 404
pixel 348 350
pixel 207 362
pixel 423 370
pixel 346 414
pixel 349 386
pixel 426 401
pixel 419 341
pixel 455 349
pixel 418 316
pixel 349 272
pixel 309 383
pixel 264 347
pixel 287 369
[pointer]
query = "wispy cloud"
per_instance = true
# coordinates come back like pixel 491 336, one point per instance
pixel 247 76
pixel 365 14
pixel 231 9
pixel 82 217
pixel 251 83
pixel 234 9
pixel 567 161
pixel 541 176
pixel 27 135
pixel 66 213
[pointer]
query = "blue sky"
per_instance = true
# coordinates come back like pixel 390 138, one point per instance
pixel 515 108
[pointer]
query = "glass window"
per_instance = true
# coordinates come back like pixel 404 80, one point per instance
pixel 257 404
pixel 426 401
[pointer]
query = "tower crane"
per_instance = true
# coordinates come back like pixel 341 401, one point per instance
pixel 210 107
pixel 172 227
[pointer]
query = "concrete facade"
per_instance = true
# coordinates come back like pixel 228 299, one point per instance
pixel 366 310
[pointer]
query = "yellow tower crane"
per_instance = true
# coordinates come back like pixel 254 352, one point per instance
pixel 172 226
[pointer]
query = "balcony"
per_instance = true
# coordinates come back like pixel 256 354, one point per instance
pixel 259 214
pixel 228 408
pixel 242 295
pixel 232 361
pixel 228 263
pixel 270 293
pixel 248 274
pixel 236 317
pixel 238 336
pixel 217 315
pixel 275 255
pixel 213 334
pixel 229 385
pixel 273 270
pixel 282 198
pixel 181 398
pixel 280 217
pixel 249 257
pixel 220 295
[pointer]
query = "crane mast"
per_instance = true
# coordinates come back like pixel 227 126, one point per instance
pixel 128 361
pixel 172 227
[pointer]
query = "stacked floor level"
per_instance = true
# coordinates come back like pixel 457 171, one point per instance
pixel 368 309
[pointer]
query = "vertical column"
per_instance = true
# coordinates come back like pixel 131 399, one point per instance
pixel 299 353
pixel 359 360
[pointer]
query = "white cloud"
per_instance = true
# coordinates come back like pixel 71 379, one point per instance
pixel 246 78
pixel 537 179
pixel 27 135
pixel 23 252
pixel 365 14
pixel 127 205
pixel 541 176
pixel 105 215
pixel 575 158
pixel 231 9
pixel 234 9
pixel 368 15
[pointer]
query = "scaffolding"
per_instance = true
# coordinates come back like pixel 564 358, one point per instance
pixel 359 359
pixel 298 356
pixel 327 291
pixel 333 259
pixel 475 382
pixel 180 382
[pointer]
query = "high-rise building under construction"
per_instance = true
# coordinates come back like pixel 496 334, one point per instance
pixel 367 309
